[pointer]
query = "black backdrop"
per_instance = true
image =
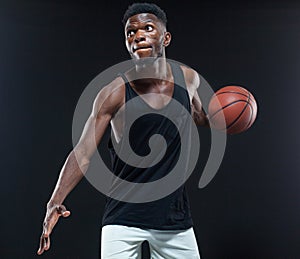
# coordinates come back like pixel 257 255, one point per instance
pixel 51 50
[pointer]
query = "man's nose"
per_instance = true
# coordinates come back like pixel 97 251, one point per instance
pixel 139 36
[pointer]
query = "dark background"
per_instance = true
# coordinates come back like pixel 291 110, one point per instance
pixel 51 50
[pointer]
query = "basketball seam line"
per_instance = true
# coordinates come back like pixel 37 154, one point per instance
pixel 240 113
pixel 248 125
pixel 227 106
pixel 226 92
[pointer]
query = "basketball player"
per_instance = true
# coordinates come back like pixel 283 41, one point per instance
pixel 165 223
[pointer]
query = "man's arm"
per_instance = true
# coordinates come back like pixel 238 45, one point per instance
pixel 106 104
pixel 199 116
pixel 192 81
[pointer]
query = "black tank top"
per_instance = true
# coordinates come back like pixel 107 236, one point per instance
pixel 171 212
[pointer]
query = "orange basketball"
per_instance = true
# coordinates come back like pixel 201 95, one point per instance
pixel 232 108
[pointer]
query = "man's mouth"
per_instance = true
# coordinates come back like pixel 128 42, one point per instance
pixel 141 47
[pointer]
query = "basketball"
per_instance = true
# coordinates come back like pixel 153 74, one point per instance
pixel 232 109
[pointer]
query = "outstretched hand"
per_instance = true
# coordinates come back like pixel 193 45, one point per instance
pixel 54 212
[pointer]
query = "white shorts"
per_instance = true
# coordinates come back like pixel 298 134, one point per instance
pixel 122 242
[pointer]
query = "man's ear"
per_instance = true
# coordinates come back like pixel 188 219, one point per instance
pixel 167 39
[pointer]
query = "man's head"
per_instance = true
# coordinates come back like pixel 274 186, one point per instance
pixel 145 30
pixel 138 8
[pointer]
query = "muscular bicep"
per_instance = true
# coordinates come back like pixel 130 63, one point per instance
pixel 92 133
pixel 198 113
pixel 192 81
pixel 105 106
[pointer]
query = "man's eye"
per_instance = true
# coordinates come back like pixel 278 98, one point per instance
pixel 130 33
pixel 149 28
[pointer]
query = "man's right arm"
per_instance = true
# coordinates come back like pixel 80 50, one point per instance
pixel 106 104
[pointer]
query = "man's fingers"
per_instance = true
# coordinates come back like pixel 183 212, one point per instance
pixel 42 245
pixel 50 221
pixel 41 248
pixel 40 251
pixel 47 243
pixel 66 213
pixel 61 209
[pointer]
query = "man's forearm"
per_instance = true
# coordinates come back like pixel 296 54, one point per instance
pixel 70 175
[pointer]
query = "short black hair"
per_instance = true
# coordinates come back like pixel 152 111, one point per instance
pixel 138 8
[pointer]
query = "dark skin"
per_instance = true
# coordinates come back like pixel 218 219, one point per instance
pixel 146 36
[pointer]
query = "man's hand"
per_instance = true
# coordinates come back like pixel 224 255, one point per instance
pixel 52 215
pixel 106 104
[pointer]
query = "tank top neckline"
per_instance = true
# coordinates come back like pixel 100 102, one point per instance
pixel 128 85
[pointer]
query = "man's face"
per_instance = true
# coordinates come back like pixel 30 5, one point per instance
pixel 146 36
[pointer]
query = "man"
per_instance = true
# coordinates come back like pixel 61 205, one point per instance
pixel 165 223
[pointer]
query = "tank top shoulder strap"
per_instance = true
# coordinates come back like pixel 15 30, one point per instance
pixel 128 90
pixel 178 75
pixel 180 89
pixel 123 77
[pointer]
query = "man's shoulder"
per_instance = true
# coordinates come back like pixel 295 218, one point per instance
pixel 115 86
pixel 111 95
pixel 191 76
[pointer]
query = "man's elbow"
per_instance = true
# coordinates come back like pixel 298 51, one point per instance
pixel 201 119
pixel 82 158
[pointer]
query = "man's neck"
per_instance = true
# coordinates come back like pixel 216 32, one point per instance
pixel 151 71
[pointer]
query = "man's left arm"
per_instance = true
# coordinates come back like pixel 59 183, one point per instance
pixel 198 113
pixel 192 80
